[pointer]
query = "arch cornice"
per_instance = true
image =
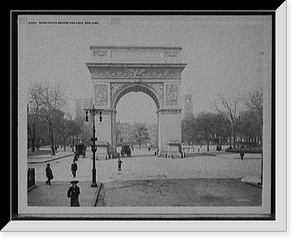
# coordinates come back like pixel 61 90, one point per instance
pixel 136 70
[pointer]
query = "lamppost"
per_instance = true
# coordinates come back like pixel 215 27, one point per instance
pixel 93 112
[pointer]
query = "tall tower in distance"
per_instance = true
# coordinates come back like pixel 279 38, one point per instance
pixel 188 105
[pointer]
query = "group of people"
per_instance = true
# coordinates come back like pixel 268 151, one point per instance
pixel 74 191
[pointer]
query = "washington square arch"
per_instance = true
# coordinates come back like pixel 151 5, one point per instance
pixel 156 71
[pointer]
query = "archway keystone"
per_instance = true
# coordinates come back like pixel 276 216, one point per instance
pixel 156 71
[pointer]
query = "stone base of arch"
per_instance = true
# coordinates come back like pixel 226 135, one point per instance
pixel 105 133
pixel 169 124
pixel 103 151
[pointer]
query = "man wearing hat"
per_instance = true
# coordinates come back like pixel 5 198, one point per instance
pixel 49 174
pixel 73 193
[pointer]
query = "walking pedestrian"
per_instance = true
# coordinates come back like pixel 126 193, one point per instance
pixel 74 168
pixel 49 174
pixel 119 164
pixel 73 193
pixel 242 155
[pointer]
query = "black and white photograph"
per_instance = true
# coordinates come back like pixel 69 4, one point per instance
pixel 147 117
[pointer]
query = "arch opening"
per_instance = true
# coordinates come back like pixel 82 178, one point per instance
pixel 136 88
pixel 121 135
pixel 136 107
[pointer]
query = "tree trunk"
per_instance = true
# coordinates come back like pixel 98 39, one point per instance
pixel 207 141
pixel 234 137
pixel 73 142
pixel 51 138
pixel 33 140
pixel 65 143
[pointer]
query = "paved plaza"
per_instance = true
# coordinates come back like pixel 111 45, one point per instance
pixel 164 181
pixel 179 192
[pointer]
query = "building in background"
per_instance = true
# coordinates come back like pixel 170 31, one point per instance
pixel 124 133
pixel 188 105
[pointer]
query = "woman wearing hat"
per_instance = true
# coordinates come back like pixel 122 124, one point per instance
pixel 73 193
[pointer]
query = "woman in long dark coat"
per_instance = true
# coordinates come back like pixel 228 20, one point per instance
pixel 73 193
pixel 49 174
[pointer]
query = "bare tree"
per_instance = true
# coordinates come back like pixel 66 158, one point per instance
pixel 189 130
pixel 141 134
pixel 205 123
pixel 231 109
pixel 254 103
pixel 52 101
pixel 33 113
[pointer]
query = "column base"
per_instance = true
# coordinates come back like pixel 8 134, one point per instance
pixel 102 151
pixel 173 151
pixel 173 154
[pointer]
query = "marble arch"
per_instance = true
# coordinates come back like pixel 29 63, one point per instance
pixel 156 71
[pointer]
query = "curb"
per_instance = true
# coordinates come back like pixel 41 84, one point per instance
pixel 257 184
pixel 97 195
pixel 51 159
pixel 31 188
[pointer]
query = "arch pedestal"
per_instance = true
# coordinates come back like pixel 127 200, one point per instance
pixel 152 70
pixel 169 132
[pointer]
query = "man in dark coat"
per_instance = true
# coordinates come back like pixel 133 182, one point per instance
pixel 119 164
pixel 242 155
pixel 73 193
pixel 74 168
pixel 49 174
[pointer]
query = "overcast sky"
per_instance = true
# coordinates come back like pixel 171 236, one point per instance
pixel 224 54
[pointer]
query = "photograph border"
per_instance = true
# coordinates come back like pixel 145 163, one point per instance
pixel 160 213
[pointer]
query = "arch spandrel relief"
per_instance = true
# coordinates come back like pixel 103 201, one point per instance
pixel 172 94
pixel 101 95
